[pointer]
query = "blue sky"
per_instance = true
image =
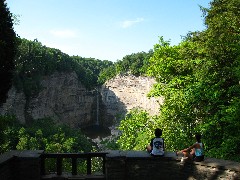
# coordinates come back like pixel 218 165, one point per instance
pixel 106 29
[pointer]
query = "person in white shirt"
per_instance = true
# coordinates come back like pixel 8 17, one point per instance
pixel 156 146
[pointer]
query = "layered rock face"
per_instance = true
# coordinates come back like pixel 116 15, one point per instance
pixel 15 105
pixel 64 99
pixel 124 93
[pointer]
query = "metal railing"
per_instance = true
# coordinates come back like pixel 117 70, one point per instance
pixel 74 157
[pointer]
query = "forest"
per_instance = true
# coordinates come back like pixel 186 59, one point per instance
pixel 199 79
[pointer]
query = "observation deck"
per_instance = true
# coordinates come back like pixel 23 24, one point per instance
pixel 114 165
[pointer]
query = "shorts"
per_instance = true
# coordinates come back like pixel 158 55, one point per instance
pixel 198 158
pixel 156 155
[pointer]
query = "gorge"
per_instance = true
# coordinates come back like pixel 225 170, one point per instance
pixel 63 98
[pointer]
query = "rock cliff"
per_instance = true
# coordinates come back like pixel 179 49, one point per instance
pixel 63 98
pixel 124 93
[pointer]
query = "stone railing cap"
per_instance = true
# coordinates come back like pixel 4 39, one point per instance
pixel 138 154
pixel 6 157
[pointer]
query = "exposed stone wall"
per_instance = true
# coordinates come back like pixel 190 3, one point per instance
pixel 140 165
pixel 20 165
pixel 63 98
pixel 124 93
pixel 27 165
pixel 5 168
pixel 15 104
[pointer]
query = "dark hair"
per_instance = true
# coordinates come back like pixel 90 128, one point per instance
pixel 198 137
pixel 158 132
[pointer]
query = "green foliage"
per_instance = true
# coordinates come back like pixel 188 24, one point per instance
pixel 8 133
pixel 7 50
pixel 43 134
pixel 199 80
pixel 34 61
pixel 221 42
pixel 135 64
pixel 137 130
pixel 107 74
pixel 175 74
pixel 91 70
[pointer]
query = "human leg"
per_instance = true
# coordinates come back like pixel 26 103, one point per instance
pixel 198 158
pixel 149 148
pixel 185 154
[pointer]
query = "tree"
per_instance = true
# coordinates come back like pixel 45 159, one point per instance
pixel 7 50
pixel 136 130
pixel 199 80
pixel 221 100
pixel 136 63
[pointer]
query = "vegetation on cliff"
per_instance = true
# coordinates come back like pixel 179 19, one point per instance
pixel 135 64
pixel 34 60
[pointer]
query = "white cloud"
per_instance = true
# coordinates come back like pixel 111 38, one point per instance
pixel 129 23
pixel 64 33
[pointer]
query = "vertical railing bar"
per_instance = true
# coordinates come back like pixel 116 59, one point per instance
pixel 104 161
pixel 89 165
pixel 59 161
pixel 74 165
pixel 59 165
pixel 43 171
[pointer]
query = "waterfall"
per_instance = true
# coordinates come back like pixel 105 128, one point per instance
pixel 97 114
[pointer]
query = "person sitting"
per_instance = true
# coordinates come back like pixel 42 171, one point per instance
pixel 156 146
pixel 194 152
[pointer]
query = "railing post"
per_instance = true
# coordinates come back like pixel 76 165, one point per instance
pixel 43 165
pixel 74 166
pixel 59 165
pixel 104 162
pixel 74 157
pixel 89 165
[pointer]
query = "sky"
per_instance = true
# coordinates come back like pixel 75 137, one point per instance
pixel 106 29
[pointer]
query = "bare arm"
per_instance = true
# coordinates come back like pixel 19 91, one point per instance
pixel 188 149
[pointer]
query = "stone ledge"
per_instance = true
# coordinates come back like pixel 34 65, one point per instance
pixel 21 165
pixel 139 154
pixel 208 162
pixel 6 157
pixel 20 154
pixel 29 153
